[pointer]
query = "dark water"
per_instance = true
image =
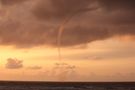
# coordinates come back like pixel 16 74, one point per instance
pixel 4 85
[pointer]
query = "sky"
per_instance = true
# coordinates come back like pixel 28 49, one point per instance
pixel 67 40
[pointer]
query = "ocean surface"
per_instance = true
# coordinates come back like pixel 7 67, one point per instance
pixel 16 85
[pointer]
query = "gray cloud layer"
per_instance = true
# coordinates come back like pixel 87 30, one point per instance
pixel 118 4
pixel 36 22
pixel 59 9
pixel 11 2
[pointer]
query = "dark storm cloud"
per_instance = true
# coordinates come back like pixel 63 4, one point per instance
pixel 117 4
pixel 11 2
pixel 123 10
pixel 81 35
pixel 37 22
pixel 59 9
pixel 14 63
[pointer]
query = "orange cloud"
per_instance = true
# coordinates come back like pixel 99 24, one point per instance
pixel 14 63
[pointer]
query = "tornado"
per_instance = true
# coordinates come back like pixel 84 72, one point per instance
pixel 67 20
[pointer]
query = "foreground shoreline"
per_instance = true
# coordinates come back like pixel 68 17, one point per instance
pixel 65 83
pixel 40 85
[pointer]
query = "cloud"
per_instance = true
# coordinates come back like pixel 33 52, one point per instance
pixel 14 63
pixel 36 22
pixel 119 4
pixel 123 10
pixel 60 9
pixel 35 67
pixel 51 9
pixel 11 2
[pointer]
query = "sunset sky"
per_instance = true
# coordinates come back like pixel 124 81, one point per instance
pixel 96 40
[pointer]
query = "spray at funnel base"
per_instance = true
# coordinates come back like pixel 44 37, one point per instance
pixel 64 71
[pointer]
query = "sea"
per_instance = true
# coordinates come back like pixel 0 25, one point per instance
pixel 23 85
